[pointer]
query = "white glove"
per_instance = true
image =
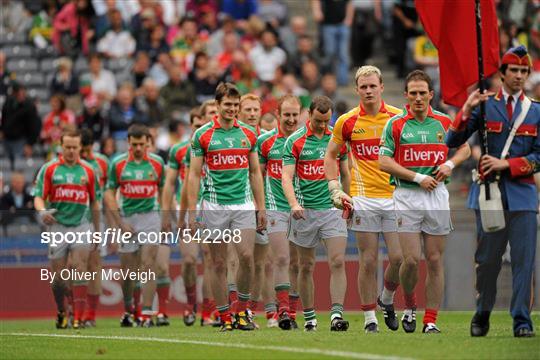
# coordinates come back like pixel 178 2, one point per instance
pixel 337 194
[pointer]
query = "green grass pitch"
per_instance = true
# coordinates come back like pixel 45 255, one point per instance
pixel 37 339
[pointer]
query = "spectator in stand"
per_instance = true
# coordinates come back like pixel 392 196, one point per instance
pixel 184 41
pixel 72 30
pixel 128 9
pixel 151 103
pixel 92 117
pixel 289 85
pixel 157 45
pixel 6 77
pixel 123 113
pixel 268 122
pixel 290 35
pixel 160 70
pixel 366 25
pixel 65 81
pixel 239 9
pixel 304 52
pixel 230 45
pixel 273 12
pixel 102 22
pixel 20 124
pixel 142 25
pixel 54 123
pixel 252 31
pixel 108 147
pixel 208 22
pixel 330 89
pixel 14 17
pixel 141 68
pixel 335 19
pixel 426 57
pixel 215 42
pixel 178 95
pixel 247 81
pixel 267 56
pixel 42 29
pixel 17 203
pixel 405 19
pixel 117 42
pixel 310 76
pixel 205 77
pixel 199 8
pixel 102 81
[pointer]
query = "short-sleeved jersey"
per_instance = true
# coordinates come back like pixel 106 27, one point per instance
pixel 68 189
pixel 139 182
pixel 187 162
pixel 176 162
pixel 363 134
pixel 226 155
pixel 306 151
pixel 270 146
pixel 417 146
pixel 100 164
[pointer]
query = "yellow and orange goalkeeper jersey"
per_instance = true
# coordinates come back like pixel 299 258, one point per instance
pixel 363 133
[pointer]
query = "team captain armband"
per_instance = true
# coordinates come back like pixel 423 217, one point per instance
pixel 460 122
pixel 520 167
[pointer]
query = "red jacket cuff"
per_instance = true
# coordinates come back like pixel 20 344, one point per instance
pixel 519 167
pixel 459 123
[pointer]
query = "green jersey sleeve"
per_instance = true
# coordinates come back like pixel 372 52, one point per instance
pixel 387 145
pixel 196 147
pixel 112 181
pixel 288 156
pixel 40 182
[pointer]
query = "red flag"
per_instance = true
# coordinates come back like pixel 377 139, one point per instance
pixel 451 26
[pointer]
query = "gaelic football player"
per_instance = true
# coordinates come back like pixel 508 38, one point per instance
pixel 361 128
pixel 270 146
pixel 313 218
pixel 65 194
pixel 137 176
pixel 233 190
pixel 100 164
pixel 413 152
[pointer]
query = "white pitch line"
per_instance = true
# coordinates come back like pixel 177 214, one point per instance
pixel 336 353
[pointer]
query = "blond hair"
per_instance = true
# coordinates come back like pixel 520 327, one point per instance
pixel 367 70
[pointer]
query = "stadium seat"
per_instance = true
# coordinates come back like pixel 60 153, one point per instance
pixel 18 51
pixel 13 39
pixel 44 108
pixel 41 94
pixel 32 79
pixel 116 65
pixel 48 64
pixel 81 65
pixel 22 65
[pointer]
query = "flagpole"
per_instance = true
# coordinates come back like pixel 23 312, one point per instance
pixel 481 86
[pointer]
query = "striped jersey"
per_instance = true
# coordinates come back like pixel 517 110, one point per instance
pixel 100 164
pixel 363 134
pixel 187 162
pixel 226 155
pixel 270 146
pixel 68 189
pixel 306 151
pixel 139 182
pixel 177 154
pixel 417 146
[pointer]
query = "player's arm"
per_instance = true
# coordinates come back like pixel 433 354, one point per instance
pixel 194 184
pixel 256 183
pixel 109 199
pixel 288 189
pixel 390 166
pixel 337 192
pixel 183 200
pixel 167 197
pixel 95 198
pixel 39 198
pixel 445 170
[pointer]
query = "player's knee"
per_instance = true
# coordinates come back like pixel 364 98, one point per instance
pixel 148 263
pixel 434 262
pixel 189 261
pixel 369 264
pixel 245 257
pixel 307 266
pixel 219 265
pixel 282 261
pixel 395 261
pixel 337 262
pixel 410 262
pixel 294 267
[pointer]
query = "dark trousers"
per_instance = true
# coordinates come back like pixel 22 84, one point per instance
pixel 521 232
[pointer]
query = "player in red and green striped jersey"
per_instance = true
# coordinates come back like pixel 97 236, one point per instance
pixel 100 164
pixel 227 148
pixel 313 217
pixel 137 176
pixel 413 152
pixel 271 146
pixel 68 186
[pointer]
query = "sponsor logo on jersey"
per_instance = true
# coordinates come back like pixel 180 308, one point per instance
pixel 306 152
pixel 138 189
pixel 228 159
pixel 311 169
pixel 70 193
pixel 359 131
pixel 407 135
pixel 275 152
pixel 423 155
pixel 274 168
pixel 440 136
pixel 212 142
pixel 366 149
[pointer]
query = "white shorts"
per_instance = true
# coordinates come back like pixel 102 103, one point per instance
pixel 221 217
pixel 142 223
pixel 261 239
pixel 420 211
pixel 373 215
pixel 277 221
pixel 318 225
pixel 61 250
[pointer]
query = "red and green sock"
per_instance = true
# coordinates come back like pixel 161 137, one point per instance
pixel 163 287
